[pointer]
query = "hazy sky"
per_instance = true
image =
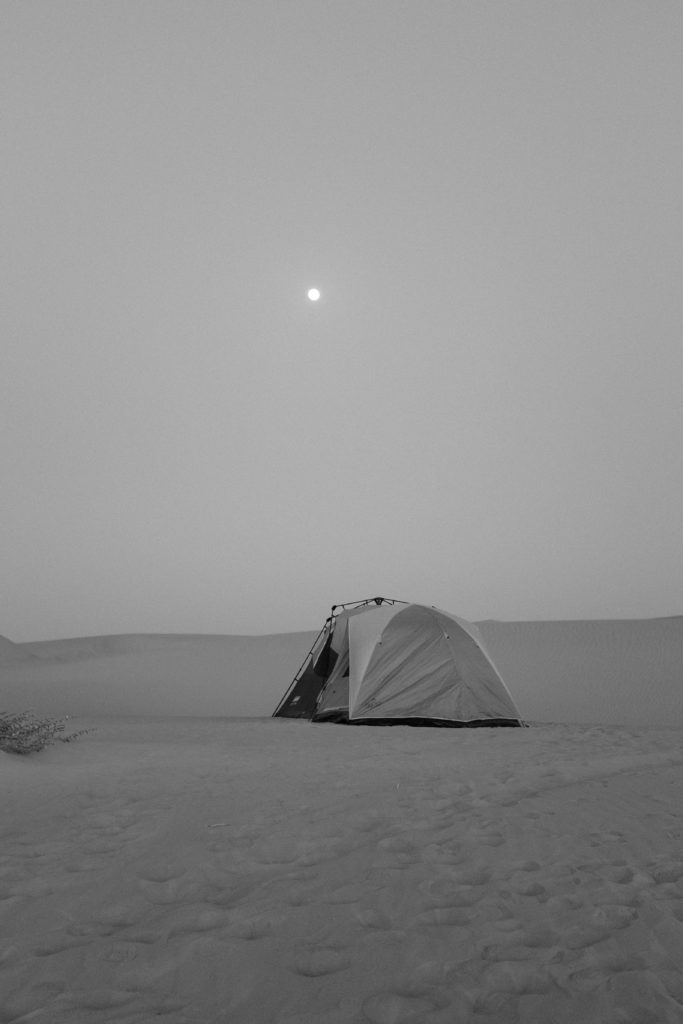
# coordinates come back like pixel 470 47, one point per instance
pixel 483 412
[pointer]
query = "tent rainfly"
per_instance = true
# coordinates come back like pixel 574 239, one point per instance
pixel 387 662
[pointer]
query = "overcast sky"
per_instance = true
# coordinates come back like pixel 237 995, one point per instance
pixel 484 410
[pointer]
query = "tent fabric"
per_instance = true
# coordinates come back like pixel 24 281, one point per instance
pixel 401 663
pixel 427 664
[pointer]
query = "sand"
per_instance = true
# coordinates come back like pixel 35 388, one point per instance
pixel 199 871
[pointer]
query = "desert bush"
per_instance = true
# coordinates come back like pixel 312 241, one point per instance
pixel 23 733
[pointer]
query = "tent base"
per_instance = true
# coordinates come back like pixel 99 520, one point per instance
pixel 339 718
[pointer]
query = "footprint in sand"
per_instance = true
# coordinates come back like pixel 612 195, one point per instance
pixel 431 974
pixel 520 942
pixel 161 872
pixel 523 887
pixel 527 865
pixel 491 839
pixel 28 1004
pixel 260 926
pixel 224 888
pixel 51 946
pixel 163 883
pixel 604 962
pixel 667 873
pixel 450 917
pixel 602 923
pixel 33 888
pixel 164 893
pixel 456 791
pixel 440 805
pixel 100 999
pixel 510 799
pixel 372 918
pixel 367 822
pixel 519 979
pixel 540 936
pixel 9 956
pixel 75 867
pixel 6 892
pixel 145 937
pixel 496 1008
pixel 506 953
pixel 119 952
pixel 449 851
pixel 443 892
pixel 673 983
pixel 300 896
pixel 559 907
pixel 314 853
pixel 101 848
pixel 677 910
pixel 198 921
pixel 619 873
pixel 345 894
pixel 403 1008
pixel 118 916
pixel 472 876
pixel 401 851
pixel 315 963
pixel 84 929
pixel 278 851
pixel 608 837
pixel 508 923
pixel 638 996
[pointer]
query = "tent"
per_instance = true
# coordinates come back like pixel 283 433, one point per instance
pixel 387 662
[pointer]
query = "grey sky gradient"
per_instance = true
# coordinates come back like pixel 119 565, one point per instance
pixel 483 411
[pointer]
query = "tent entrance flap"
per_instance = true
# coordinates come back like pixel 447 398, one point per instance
pixel 334 696
pixel 300 699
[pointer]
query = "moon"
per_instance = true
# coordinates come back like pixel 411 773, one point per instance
pixel 313 294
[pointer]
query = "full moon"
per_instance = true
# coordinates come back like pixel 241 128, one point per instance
pixel 313 294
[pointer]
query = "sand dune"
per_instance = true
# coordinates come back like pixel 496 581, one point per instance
pixel 623 671
pixel 154 674
pixel 11 653
pixel 620 671
pixel 276 872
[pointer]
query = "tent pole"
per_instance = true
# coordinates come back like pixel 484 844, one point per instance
pixel 369 600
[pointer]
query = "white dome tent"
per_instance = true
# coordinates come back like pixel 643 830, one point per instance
pixel 387 662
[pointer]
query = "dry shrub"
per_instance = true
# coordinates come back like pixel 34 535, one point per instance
pixel 23 733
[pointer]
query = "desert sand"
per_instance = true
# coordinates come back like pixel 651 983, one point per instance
pixel 226 870
pixel 197 870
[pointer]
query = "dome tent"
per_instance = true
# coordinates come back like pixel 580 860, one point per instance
pixel 387 662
